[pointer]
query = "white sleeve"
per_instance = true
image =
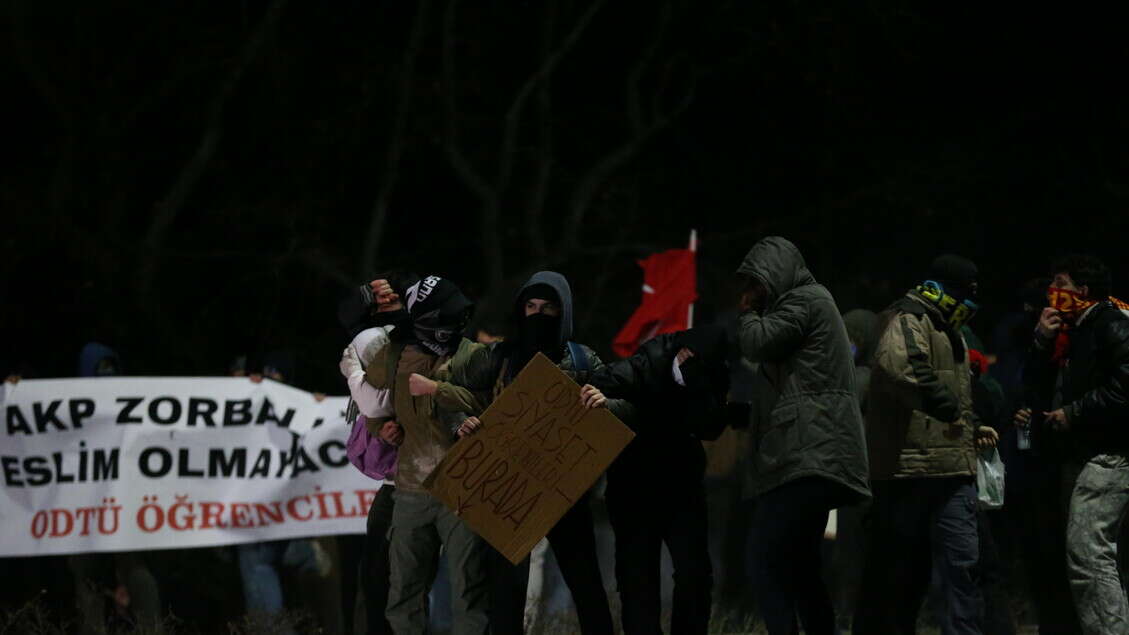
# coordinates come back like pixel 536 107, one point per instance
pixel 372 402
pixel 676 372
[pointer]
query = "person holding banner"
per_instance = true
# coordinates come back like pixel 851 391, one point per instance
pixel 424 344
pixel 261 563
pixel 136 587
pixel 542 323
pixel 678 384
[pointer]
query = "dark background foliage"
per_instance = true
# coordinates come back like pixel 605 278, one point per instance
pixel 191 181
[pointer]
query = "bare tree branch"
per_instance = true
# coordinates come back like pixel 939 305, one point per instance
pixel 488 196
pixel 193 170
pixel 391 173
pixel 52 93
pixel 517 106
pixel 641 131
pixel 539 191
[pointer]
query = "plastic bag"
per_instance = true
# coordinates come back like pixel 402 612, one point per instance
pixel 990 480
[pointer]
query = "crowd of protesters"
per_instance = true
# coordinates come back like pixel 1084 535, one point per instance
pixel 803 468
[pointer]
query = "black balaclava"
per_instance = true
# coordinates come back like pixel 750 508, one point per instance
pixel 537 333
pixel 439 312
pixel 708 369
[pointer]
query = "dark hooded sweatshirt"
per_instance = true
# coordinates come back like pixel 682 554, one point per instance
pixel 813 426
pixel 478 379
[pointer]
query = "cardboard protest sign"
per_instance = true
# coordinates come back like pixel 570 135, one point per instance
pixel 538 451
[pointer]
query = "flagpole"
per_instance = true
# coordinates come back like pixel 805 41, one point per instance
pixel 694 249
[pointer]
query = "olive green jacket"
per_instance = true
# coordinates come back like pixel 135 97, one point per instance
pixel 806 419
pixel 429 430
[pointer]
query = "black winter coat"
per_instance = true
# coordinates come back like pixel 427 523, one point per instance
pixel 670 420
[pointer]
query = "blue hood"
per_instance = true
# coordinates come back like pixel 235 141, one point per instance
pixel 91 355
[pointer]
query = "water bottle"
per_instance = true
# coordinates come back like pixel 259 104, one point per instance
pixel 1023 437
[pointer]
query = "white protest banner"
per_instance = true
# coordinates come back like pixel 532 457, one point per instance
pixel 113 464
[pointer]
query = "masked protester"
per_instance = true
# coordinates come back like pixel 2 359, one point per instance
pixel 426 339
pixel 678 383
pixel 136 589
pixel 809 456
pixel 372 447
pixel 541 322
pixel 1077 377
pixel 923 437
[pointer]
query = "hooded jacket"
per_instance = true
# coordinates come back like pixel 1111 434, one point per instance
pixel 92 355
pixel 811 425
pixel 477 378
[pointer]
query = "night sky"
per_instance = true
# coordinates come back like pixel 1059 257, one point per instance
pixel 188 182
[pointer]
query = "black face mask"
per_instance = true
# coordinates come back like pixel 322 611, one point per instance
pixel 541 333
pixel 398 318
pixel 436 336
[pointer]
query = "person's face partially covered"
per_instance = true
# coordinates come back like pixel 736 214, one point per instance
pixel 534 306
pixel 753 295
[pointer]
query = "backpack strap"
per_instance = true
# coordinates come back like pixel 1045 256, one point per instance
pixel 579 357
pixel 392 361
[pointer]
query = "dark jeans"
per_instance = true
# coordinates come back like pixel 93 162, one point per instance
pixel 993 584
pixel 1037 495
pixel 785 552
pixel 374 561
pixel 574 545
pixel 642 524
pixel 917 525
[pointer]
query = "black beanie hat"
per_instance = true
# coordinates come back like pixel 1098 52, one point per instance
pixel 955 273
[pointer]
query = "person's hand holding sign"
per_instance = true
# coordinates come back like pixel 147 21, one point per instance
pixel 591 397
pixel 469 426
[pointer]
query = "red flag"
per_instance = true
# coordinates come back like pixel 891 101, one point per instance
pixel 669 288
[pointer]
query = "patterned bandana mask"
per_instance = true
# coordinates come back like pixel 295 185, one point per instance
pixel 956 312
pixel 1071 305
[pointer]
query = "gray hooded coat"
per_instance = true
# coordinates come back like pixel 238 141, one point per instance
pixel 810 423
pixel 479 377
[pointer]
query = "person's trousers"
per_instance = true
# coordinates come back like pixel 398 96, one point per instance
pixel 1036 510
pixel 574 545
pixel 375 569
pixel 785 546
pixel 917 525
pixel 642 524
pixel 259 564
pixel 1097 507
pixel 130 569
pixel 991 576
pixel 421 525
